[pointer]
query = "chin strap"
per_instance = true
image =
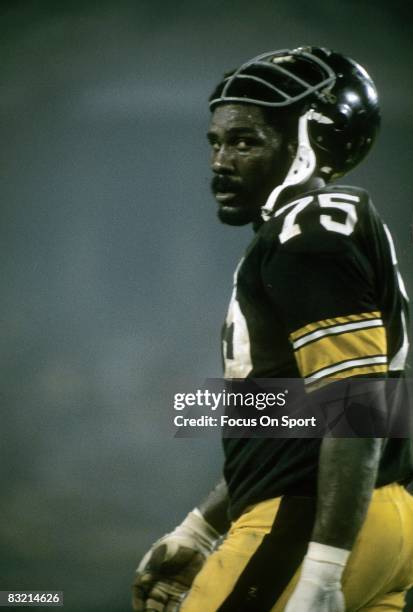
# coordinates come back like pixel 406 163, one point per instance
pixel 302 167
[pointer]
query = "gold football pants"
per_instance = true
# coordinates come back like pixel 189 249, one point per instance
pixel 257 566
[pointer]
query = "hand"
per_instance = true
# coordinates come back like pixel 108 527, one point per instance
pixel 311 597
pixel 164 576
pixel 166 572
pixel 319 586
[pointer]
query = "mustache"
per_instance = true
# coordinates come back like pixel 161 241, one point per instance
pixel 224 184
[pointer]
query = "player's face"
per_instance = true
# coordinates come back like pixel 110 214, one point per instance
pixel 247 160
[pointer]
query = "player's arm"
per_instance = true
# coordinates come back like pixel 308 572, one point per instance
pixel 346 477
pixel 348 467
pixel 336 329
pixel 167 570
pixel 214 508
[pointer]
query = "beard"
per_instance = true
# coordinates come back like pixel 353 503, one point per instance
pixel 236 209
pixel 236 215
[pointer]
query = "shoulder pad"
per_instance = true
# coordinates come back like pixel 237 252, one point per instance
pixel 323 220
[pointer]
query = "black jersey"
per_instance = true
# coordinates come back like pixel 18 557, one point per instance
pixel 317 295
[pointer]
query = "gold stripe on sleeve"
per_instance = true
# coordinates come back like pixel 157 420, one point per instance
pixel 330 350
pixel 333 321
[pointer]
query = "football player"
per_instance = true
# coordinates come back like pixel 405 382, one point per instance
pixel 320 525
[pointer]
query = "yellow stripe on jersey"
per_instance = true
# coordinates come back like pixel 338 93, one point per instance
pixel 354 345
pixel 331 322
pixel 333 349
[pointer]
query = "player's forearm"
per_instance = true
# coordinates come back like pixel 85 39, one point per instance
pixel 214 508
pixel 346 477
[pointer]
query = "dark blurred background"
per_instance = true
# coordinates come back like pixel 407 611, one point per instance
pixel 115 273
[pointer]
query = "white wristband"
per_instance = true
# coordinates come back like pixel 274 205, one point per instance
pixel 328 554
pixel 324 565
pixel 194 532
pixel 195 526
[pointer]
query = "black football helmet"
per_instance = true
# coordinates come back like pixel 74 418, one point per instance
pixel 332 97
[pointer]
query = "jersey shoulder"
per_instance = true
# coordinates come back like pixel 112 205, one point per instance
pixel 329 219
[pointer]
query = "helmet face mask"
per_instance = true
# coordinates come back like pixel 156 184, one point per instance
pixel 342 97
pixel 281 78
